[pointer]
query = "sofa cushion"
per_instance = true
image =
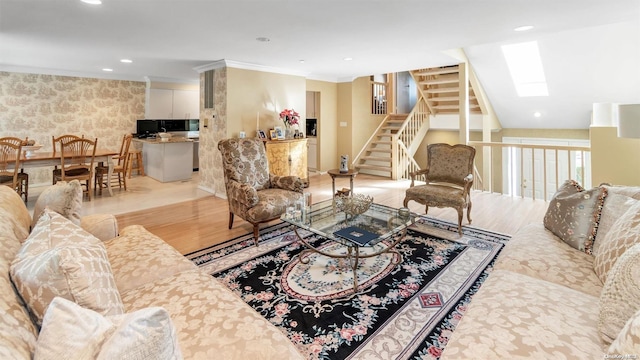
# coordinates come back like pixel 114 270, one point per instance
pixel 620 297
pixel 624 233
pixel 615 206
pixel 211 321
pixel 514 316
pixel 139 257
pixel 536 252
pixel 628 340
pixel 70 331
pixel 574 213
pixel 61 259
pixel 65 198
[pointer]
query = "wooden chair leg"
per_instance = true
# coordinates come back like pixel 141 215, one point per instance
pixel 230 219
pixel 469 212
pixel 256 233
pixel 460 221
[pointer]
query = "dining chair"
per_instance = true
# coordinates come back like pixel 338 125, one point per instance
pixel 121 162
pixel 10 154
pixel 76 162
pixel 57 145
pixel 23 177
pixel 448 177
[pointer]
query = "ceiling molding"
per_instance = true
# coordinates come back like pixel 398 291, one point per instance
pixel 247 66
pixel 57 72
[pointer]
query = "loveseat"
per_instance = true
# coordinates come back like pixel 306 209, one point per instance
pixel 557 292
pixel 65 293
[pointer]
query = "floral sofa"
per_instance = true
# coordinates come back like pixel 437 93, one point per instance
pixel 67 293
pixel 565 289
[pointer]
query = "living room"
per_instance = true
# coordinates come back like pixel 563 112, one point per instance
pixel 38 101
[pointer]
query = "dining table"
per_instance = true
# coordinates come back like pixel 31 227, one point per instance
pixel 38 159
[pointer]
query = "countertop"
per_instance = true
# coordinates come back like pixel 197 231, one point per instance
pixel 158 141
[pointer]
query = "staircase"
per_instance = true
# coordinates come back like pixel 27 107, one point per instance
pixel 440 87
pixel 390 150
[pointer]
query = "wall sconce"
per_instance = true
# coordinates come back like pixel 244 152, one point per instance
pixel 629 121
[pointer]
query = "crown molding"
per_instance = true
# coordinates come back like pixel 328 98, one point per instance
pixel 69 73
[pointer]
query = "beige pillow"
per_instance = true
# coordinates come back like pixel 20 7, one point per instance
pixel 63 198
pixel 70 331
pixel 61 259
pixel 620 297
pixel 628 341
pixel 614 207
pixel 573 214
pixel 623 234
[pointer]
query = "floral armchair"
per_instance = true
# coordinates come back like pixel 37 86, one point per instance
pixel 448 177
pixel 253 193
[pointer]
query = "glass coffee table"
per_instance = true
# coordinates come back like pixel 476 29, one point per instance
pixel 379 229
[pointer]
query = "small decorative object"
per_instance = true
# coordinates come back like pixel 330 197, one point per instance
pixel 242 135
pixel 290 118
pixel 273 135
pixel 164 136
pixel 354 205
pixel 279 133
pixel 262 134
pixel 29 150
pixel 344 160
pixel 404 212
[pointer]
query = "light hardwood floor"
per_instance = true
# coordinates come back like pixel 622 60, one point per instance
pixel 190 219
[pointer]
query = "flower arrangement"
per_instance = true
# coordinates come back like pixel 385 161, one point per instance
pixel 289 117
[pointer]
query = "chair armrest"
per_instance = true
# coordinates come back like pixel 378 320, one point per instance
pixel 292 183
pixel 102 226
pixel 468 178
pixel 414 174
pixel 242 193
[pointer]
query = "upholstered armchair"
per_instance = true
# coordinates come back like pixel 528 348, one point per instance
pixel 253 193
pixel 448 177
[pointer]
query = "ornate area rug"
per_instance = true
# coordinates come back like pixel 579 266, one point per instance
pixel 404 311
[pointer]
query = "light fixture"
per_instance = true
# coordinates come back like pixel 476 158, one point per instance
pixel 126 61
pixel 629 121
pixel 92 2
pixel 537 114
pixel 263 39
pixel 347 59
pixel 107 70
pixel 525 66
pixel 523 28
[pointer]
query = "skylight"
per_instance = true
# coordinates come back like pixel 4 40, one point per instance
pixel 525 66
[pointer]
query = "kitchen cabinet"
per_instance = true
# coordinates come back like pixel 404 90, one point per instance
pixel 173 104
pixel 167 161
pixel 313 104
pixel 288 157
pixel 312 154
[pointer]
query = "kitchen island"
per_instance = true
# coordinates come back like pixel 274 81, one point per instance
pixel 170 160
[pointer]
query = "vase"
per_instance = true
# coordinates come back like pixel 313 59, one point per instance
pixel 288 133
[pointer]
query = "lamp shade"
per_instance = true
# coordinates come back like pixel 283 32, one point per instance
pixel 629 121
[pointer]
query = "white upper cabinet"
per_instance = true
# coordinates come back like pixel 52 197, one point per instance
pixel 173 104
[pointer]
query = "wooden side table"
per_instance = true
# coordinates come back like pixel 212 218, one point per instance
pixel 334 173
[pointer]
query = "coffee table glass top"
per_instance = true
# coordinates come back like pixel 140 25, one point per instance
pixel 324 218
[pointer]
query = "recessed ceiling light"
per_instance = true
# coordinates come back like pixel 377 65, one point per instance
pixel 263 39
pixel 537 114
pixel 301 61
pixel 523 28
pixel 126 61
pixel 347 59
pixel 92 2
pixel 107 69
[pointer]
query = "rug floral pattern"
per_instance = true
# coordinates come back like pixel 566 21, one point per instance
pixel 412 300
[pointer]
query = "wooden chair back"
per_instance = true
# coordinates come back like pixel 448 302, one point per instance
pixel 9 156
pixel 58 141
pixel 77 157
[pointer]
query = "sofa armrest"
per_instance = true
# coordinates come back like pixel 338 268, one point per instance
pixel 292 183
pixel 102 226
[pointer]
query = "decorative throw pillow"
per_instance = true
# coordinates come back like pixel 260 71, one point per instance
pixel 70 331
pixel 614 207
pixel 620 297
pixel 63 198
pixel 628 341
pixel 60 259
pixel 574 213
pixel 623 234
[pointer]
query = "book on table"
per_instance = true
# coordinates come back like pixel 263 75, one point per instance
pixel 356 235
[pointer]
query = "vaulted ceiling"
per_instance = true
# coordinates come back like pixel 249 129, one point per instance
pixel 590 48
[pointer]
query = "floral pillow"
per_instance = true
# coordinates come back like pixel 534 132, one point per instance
pixel 574 214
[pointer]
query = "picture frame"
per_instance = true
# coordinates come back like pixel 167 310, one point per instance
pixel 279 132
pixel 273 135
pixel 262 134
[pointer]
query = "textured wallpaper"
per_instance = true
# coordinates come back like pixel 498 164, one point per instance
pixel 41 106
pixel 211 175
